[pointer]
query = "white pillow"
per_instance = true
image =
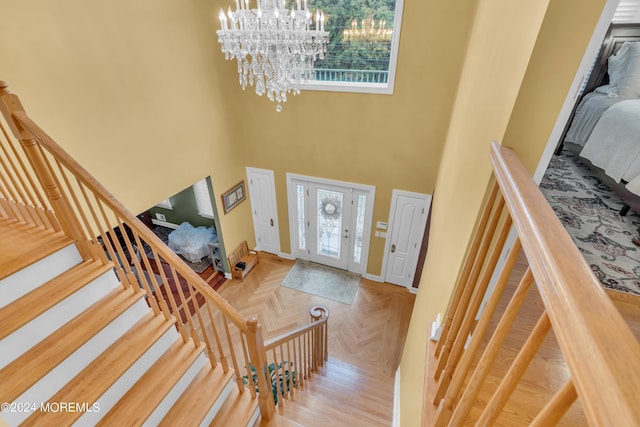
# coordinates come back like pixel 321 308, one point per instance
pixel 617 64
pixel 629 82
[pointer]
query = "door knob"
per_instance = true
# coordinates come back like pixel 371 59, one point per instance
pixel 271 220
pixel 393 248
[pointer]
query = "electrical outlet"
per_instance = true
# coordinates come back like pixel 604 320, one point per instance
pixel 160 217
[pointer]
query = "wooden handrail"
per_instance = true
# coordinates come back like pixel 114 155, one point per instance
pixel 98 222
pixel 585 322
pixel 108 199
pixel 301 330
pixel 571 295
pixel 295 356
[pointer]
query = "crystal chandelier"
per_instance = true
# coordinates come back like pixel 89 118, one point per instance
pixel 369 30
pixel 275 48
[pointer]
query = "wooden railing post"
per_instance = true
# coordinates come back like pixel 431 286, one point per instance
pixel 257 356
pixel 9 104
pixel 320 351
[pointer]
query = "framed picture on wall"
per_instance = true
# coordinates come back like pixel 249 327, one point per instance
pixel 233 197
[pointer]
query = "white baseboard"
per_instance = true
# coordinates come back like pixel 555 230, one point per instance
pixel 227 276
pixel 286 255
pixel 395 421
pixel 436 328
pixel 373 277
pixel 164 223
pixel 413 290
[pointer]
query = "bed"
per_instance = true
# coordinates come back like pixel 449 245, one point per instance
pixel 605 124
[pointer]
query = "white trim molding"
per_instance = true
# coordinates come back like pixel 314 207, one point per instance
pixel 164 223
pixel 395 421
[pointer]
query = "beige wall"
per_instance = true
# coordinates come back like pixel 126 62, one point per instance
pixel 138 91
pixel 142 89
pixel 388 141
pixel 133 90
pixel 507 93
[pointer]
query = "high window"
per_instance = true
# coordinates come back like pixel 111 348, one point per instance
pixel 363 45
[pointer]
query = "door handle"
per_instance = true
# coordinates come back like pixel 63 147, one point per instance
pixel 393 248
pixel 346 234
pixel 271 220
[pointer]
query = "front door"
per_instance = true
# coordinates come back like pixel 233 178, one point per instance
pixel 330 219
pixel 407 224
pixel 262 194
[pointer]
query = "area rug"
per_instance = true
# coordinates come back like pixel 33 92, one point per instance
pixel 323 281
pixel 589 211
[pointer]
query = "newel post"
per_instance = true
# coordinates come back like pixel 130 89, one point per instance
pixel 10 104
pixel 319 336
pixel 258 358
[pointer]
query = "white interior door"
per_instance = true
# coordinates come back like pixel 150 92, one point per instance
pixel 407 223
pixel 262 194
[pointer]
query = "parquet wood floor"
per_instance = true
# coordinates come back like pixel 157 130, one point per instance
pixel 366 338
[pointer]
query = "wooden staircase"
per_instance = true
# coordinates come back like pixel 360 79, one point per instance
pixel 76 337
pixel 94 333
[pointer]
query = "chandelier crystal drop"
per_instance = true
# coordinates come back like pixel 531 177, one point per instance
pixel 275 47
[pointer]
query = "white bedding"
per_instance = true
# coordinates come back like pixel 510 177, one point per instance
pixel 614 143
pixel 587 115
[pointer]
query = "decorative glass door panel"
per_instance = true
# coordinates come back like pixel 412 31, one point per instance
pixel 329 223
pixel 332 211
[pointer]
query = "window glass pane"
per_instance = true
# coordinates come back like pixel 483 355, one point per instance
pixel 203 201
pixel 329 223
pixel 360 41
pixel 302 244
pixel 359 231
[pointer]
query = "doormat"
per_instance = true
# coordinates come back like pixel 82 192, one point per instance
pixel 327 282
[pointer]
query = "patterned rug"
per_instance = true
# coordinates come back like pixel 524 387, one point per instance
pixel 326 282
pixel 589 211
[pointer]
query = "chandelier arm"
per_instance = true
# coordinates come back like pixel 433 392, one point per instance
pixel 275 48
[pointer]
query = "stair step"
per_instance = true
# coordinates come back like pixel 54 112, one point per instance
pixel 105 370
pixel 50 352
pixel 202 399
pixel 23 245
pixel 279 421
pixel 145 396
pixel 239 410
pixel 36 302
pixel 36 274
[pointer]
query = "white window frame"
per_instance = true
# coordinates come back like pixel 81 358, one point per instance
pixel 203 199
pixel 374 88
pixel 165 204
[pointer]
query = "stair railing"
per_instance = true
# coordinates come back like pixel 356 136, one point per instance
pixel 293 357
pixel 45 187
pixel 601 353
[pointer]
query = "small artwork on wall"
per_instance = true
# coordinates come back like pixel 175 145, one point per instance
pixel 233 197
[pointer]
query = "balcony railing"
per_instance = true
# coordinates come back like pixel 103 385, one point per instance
pixel 351 76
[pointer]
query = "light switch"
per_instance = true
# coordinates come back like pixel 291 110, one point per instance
pixel 381 225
